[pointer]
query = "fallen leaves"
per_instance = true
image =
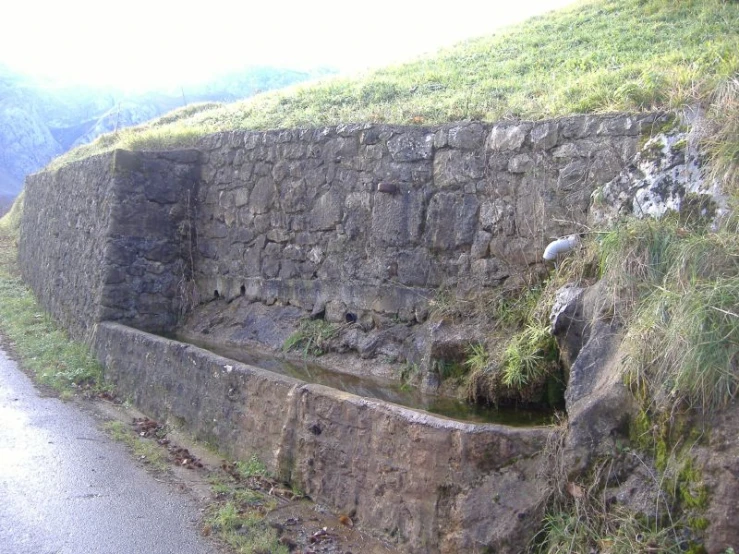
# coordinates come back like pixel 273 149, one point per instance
pixel 148 428
pixel 346 521
pixel 575 490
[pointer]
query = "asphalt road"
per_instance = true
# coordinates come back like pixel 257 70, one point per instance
pixel 67 488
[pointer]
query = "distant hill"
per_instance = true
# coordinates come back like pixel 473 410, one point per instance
pixel 40 120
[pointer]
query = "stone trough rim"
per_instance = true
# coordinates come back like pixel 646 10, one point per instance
pixel 413 415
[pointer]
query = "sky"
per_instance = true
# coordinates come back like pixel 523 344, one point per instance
pixel 138 44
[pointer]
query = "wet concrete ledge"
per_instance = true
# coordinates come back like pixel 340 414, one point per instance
pixel 428 483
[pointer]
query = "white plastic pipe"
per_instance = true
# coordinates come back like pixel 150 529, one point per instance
pixel 560 246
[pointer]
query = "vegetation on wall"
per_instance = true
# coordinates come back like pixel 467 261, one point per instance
pixel 313 337
pixel 519 364
pixel 673 285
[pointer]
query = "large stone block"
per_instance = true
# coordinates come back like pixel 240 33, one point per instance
pixel 397 219
pixel 263 195
pixel 507 137
pixel 457 167
pixel 411 146
pixel 466 137
pixel 544 135
pixel 327 211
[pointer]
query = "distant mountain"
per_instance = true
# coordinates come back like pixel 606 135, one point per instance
pixel 40 120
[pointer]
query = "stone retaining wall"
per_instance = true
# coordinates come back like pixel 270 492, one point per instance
pixel 374 218
pixel 64 227
pixel 360 219
pixel 428 483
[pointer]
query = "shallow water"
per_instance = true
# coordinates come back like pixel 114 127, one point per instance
pixel 372 387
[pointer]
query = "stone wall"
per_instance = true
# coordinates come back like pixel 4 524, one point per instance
pixel 149 255
pixel 374 218
pixel 63 240
pixel 361 219
pixel 431 484
pixel 108 238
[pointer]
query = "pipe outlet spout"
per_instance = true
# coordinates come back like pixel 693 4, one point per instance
pixel 560 246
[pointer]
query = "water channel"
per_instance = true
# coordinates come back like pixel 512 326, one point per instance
pixel 372 387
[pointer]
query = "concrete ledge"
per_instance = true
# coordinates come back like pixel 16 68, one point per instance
pixel 430 484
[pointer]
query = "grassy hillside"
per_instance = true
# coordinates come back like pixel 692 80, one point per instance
pixel 600 55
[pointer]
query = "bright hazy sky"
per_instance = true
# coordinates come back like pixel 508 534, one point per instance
pixel 139 43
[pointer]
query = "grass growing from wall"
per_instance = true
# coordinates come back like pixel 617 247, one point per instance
pixel 684 333
pixel 42 346
pixel 601 55
pixel 585 521
pixel 721 138
pixel 519 361
pixel 312 338
pixel 673 285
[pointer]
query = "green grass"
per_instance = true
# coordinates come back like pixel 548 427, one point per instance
pixel 675 288
pixel 42 346
pixel 244 531
pixel 529 357
pixel 583 519
pixel 253 467
pixel 143 449
pixel 721 138
pixel 599 56
pixel 312 337
pixel 594 529
pixel 237 515
pixel 478 358
pixel 684 338
pixel 520 361
pixel 11 221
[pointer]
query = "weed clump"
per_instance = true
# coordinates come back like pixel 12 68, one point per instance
pixel 524 366
pixel 245 494
pixel 312 337
pixel 721 137
pixel 245 531
pixel 676 290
